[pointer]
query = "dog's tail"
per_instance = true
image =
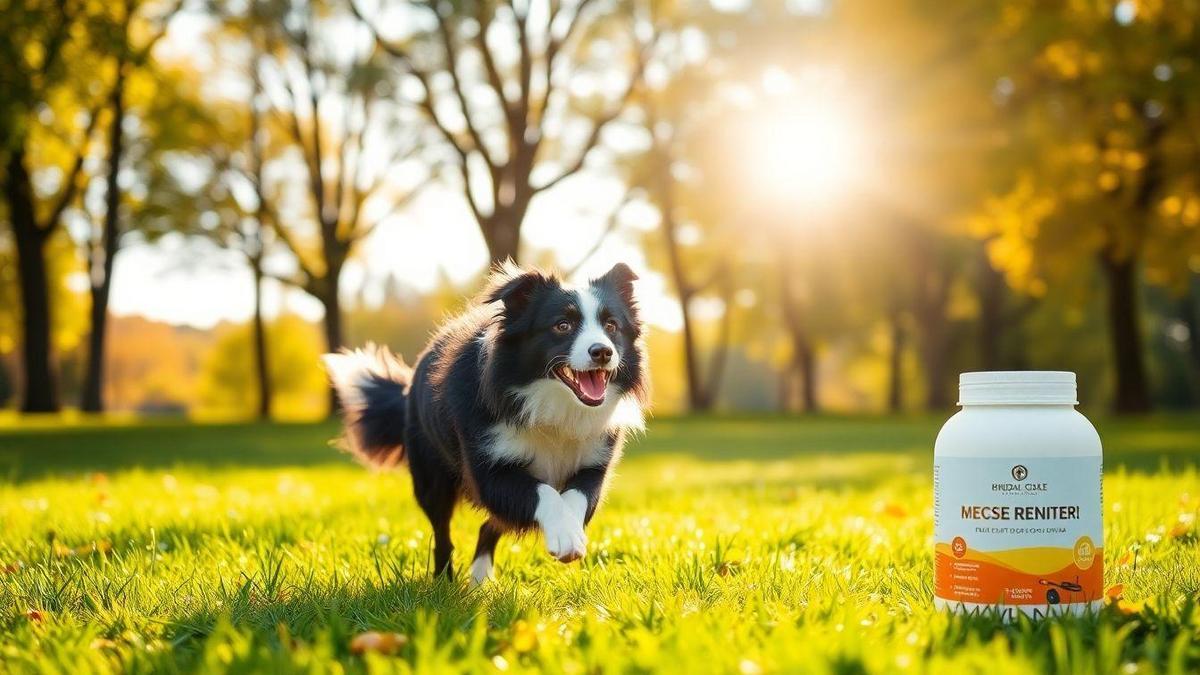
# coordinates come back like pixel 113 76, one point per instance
pixel 372 385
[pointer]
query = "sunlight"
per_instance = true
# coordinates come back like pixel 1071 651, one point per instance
pixel 811 154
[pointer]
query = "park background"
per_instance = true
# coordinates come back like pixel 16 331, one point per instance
pixel 834 207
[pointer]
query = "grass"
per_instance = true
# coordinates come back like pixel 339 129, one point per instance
pixel 728 545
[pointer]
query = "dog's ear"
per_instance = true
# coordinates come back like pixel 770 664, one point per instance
pixel 620 278
pixel 515 287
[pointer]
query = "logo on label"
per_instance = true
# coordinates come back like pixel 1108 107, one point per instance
pixel 959 546
pixel 1085 552
pixel 1019 472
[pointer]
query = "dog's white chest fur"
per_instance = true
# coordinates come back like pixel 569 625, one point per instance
pixel 556 435
pixel 551 456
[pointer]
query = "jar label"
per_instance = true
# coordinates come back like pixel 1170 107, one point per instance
pixel 1018 531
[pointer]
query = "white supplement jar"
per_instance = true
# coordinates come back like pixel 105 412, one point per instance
pixel 1017 506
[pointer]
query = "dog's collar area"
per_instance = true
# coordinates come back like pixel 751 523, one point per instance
pixel 589 386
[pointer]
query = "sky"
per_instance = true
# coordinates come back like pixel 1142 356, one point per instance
pixel 188 282
pixel 192 283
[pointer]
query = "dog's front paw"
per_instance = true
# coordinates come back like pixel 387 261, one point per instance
pixel 565 539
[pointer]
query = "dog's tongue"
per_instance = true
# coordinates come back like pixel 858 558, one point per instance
pixel 591 383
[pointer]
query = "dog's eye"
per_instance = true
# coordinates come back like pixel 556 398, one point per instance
pixel 563 327
pixel 611 326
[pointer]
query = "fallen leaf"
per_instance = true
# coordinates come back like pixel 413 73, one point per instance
pixel 1125 559
pixel 1179 530
pixel 103 547
pixel 895 510
pixel 729 567
pixel 381 643
pixel 1114 592
pixel 12 568
pixel 35 615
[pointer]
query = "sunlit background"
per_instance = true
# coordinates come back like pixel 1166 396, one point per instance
pixel 833 206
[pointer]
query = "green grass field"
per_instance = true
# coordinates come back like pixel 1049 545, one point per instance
pixel 735 545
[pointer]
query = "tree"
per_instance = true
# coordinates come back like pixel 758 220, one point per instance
pixel 235 208
pixel 328 111
pixel 509 116
pixel 1104 105
pixel 129 43
pixel 48 117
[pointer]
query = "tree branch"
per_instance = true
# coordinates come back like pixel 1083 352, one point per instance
pixel 444 31
pixel 599 124
pixel 610 226
pixel 484 17
pixel 428 104
pixel 71 186
pixel 318 177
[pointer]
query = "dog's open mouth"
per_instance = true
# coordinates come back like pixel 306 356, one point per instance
pixel 589 385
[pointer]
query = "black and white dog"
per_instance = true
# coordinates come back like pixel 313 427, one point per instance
pixel 519 405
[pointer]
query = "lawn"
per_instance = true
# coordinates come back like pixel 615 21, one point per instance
pixel 731 545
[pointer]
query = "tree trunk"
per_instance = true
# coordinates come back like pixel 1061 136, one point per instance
pixel 502 234
pixel 1187 315
pixel 934 356
pixel 806 364
pixel 899 336
pixel 699 399
pixel 992 322
pixel 803 353
pixel 333 324
pixel 1125 337
pixel 101 277
pixel 40 392
pixel 93 383
pixel 261 364
pixel 720 353
pixel 933 296
pixel 696 398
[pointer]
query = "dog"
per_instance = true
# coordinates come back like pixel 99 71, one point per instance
pixel 520 405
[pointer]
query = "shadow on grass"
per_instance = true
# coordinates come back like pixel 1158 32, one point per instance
pixel 28 454
pixel 1166 442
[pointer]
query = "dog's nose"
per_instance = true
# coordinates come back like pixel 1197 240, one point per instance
pixel 600 353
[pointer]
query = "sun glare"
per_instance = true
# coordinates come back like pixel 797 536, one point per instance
pixel 810 154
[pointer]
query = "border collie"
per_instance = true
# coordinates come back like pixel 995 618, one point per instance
pixel 520 405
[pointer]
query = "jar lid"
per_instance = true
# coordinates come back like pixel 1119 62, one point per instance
pixel 1017 387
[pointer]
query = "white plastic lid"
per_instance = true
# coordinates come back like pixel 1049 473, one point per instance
pixel 1017 387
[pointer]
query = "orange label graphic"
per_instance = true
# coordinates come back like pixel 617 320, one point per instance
pixel 1029 576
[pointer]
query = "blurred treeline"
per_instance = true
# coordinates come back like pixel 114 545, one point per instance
pixel 1027 192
